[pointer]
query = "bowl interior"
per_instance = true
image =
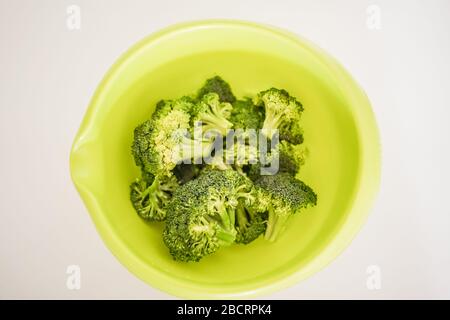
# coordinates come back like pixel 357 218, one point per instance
pixel 174 63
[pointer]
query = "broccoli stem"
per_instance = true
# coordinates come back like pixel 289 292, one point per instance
pixel 232 216
pixel 271 123
pixel 158 190
pixel 244 195
pixel 226 219
pixel 152 192
pixel 241 216
pixel 275 224
pixel 216 123
pixel 215 118
pixel 226 236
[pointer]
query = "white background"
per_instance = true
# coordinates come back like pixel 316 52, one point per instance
pixel 49 73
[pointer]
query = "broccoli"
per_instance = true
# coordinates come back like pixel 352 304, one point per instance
pixel 219 86
pixel 291 157
pixel 150 195
pixel 236 157
pixel 161 142
pixel 213 204
pixel 286 196
pixel 213 114
pixel 245 115
pixel 282 112
pixel 250 224
pixel 292 133
pixel 201 214
pixel 240 152
pixel 251 217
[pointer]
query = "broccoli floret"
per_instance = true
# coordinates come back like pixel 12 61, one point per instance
pixel 250 223
pixel 201 214
pixel 150 195
pixel 291 157
pixel 292 133
pixel 282 112
pixel 242 149
pixel 161 142
pixel 219 86
pixel 245 115
pixel 213 114
pixel 184 103
pixel 286 196
pixel 251 216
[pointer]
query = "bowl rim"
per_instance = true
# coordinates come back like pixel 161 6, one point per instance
pixel 365 194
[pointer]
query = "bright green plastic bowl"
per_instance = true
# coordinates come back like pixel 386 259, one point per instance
pixel 340 132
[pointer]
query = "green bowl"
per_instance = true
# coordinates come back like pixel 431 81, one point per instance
pixel 340 131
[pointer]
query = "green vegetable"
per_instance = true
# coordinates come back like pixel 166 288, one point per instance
pixel 285 196
pixel 161 143
pixel 282 112
pixel 219 86
pixel 251 218
pixel 150 196
pixel 210 205
pixel 291 157
pixel 245 115
pixel 213 114
pixel 201 214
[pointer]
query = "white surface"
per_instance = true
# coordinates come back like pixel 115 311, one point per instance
pixel 47 77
